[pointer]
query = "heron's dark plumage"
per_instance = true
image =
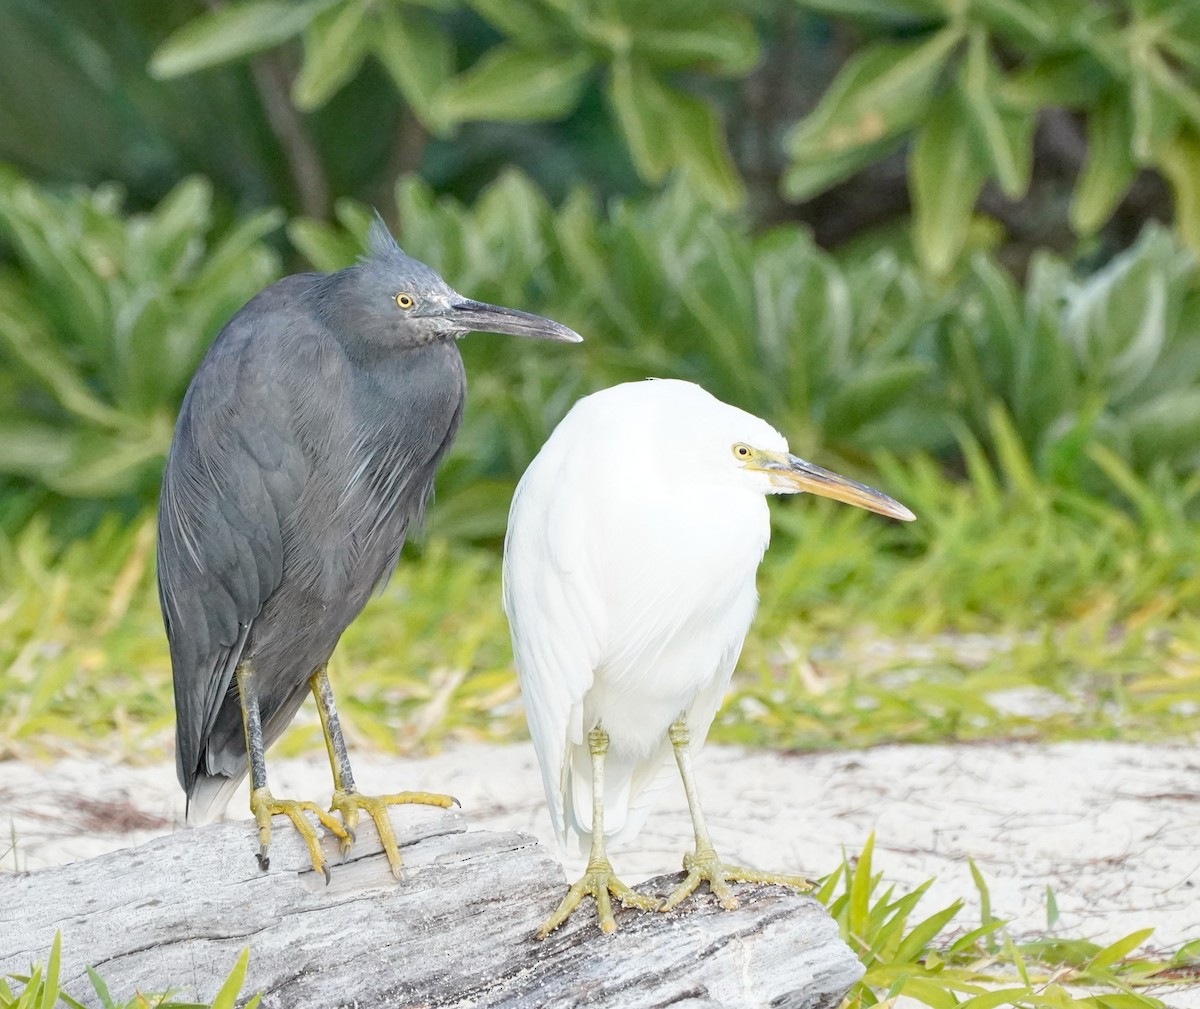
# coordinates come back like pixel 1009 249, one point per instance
pixel 304 452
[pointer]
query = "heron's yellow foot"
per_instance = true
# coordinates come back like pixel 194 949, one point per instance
pixel 599 881
pixel 264 805
pixel 349 803
pixel 703 864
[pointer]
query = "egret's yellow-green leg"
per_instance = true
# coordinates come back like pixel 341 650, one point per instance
pixel 598 879
pixel 262 803
pixel 703 863
pixel 347 800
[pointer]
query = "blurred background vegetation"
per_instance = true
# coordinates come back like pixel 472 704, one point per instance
pixel 946 245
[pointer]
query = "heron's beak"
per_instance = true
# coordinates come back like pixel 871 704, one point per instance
pixel 794 475
pixel 480 317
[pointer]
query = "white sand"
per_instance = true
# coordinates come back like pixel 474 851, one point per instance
pixel 1113 829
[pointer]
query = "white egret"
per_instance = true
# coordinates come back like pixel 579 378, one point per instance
pixel 629 584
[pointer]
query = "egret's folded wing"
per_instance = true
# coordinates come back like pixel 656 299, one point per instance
pixel 555 618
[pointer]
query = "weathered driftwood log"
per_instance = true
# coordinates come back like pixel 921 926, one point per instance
pixel 456 932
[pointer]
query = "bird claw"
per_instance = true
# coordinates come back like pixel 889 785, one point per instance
pixel 704 865
pixel 348 805
pixel 264 805
pixel 598 881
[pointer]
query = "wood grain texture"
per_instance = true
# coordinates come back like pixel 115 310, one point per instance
pixel 456 932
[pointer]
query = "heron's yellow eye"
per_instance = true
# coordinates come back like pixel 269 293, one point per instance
pixel 743 451
pixel 405 300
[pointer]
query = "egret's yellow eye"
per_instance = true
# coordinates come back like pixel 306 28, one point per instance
pixel 742 451
pixel 405 300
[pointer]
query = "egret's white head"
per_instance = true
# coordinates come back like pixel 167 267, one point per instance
pixel 708 442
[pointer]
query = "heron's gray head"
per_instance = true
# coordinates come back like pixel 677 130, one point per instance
pixel 389 298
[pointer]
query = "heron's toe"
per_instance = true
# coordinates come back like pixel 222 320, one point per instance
pixel 264 806
pixel 348 804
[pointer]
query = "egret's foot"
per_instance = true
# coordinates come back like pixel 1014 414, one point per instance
pixel 264 805
pixel 349 803
pixel 705 865
pixel 598 881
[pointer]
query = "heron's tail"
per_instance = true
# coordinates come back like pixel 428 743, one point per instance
pixel 208 797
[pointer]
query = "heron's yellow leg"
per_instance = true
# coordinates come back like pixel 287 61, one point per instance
pixel 262 803
pixel 703 863
pixel 347 800
pixel 598 879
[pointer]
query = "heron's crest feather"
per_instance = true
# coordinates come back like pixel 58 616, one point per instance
pixel 384 252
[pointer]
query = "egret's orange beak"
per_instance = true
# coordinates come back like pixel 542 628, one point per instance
pixel 794 475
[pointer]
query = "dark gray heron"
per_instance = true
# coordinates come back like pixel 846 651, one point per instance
pixel 304 453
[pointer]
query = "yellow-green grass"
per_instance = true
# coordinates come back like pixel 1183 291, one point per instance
pixel 1010 609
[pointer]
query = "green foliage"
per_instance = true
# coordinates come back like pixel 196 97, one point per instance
pixel 974 970
pixel 548 54
pixel 1088 379
pixel 103 319
pixel 966 81
pixel 1079 375
pixel 39 989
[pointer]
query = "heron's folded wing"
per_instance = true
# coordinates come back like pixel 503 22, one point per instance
pixel 234 473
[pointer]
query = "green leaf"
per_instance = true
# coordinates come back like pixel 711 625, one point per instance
pixel 1017 21
pixel 946 172
pixel 931 993
pixel 1011 455
pixel 859 891
pixel 417 55
pixel 1108 170
pixel 23 335
pixel 184 211
pixel 881 91
pixel 227 996
pixel 326 248
pixel 985 899
pixel 1120 949
pixel 1154 120
pixel 924 933
pixel 510 84
pixel 335 43
pixel 805 179
pixel 1067 80
pixel 229 33
pixel 50 985
pixel 1172 90
pixel 101 989
pixel 896 13
pixel 727 44
pixel 698 144
pixel 875 388
pixel 1006 139
pixel 1167 427
pixel 530 26
pixel 1051 910
pixel 1178 158
pixel 992 999
pixel 637 99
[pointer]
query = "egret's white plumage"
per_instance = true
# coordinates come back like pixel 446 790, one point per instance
pixel 630 564
pixel 629 583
